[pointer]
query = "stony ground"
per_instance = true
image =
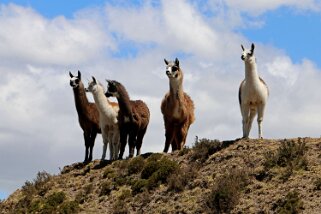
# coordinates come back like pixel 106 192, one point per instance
pixel 244 176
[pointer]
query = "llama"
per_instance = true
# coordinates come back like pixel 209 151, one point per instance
pixel 108 113
pixel 177 108
pixel 253 93
pixel 133 118
pixel 88 115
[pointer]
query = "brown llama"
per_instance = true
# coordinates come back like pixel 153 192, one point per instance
pixel 88 115
pixel 133 118
pixel 177 108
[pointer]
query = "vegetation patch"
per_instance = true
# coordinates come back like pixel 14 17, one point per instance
pixel 291 204
pixel 204 148
pixel 136 165
pixel 156 171
pixel 181 178
pixel 226 191
pixel 289 155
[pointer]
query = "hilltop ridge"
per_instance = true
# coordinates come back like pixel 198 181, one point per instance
pixel 243 176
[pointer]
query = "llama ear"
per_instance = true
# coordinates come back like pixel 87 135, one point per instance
pixel 252 48
pixel 70 74
pixel 242 47
pixel 79 75
pixel 166 62
pixel 176 62
pixel 94 79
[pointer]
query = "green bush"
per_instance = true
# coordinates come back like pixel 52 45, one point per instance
pixel 139 186
pixel 289 153
pixel 182 177
pixel 165 169
pixel 290 156
pixel 136 165
pixel 226 192
pixel 69 207
pixel 109 173
pixel 149 169
pixel 105 188
pixel 317 184
pixel 56 198
pixel 156 171
pixel 291 204
pixel 204 148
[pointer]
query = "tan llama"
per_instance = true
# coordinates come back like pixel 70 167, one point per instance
pixel 177 108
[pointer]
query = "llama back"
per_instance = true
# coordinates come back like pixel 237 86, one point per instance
pixel 141 110
pixel 190 106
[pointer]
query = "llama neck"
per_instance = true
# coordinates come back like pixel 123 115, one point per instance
pixel 176 88
pixel 81 100
pixel 124 102
pixel 251 74
pixel 101 100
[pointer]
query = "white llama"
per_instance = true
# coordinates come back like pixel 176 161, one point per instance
pixel 253 93
pixel 108 113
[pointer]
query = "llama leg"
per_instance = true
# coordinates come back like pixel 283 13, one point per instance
pixel 116 143
pixel 250 121
pixel 92 143
pixel 260 115
pixel 169 135
pixel 184 135
pixel 123 141
pixel 87 145
pixel 245 117
pixel 132 142
pixel 139 142
pixel 111 145
pixel 105 141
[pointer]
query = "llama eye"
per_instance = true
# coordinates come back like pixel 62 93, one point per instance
pixel 174 69
pixel 77 81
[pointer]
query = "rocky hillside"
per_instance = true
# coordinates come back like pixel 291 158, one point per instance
pixel 244 176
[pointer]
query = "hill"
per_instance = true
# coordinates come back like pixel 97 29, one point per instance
pixel 244 176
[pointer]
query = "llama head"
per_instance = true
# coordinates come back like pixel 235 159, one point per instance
pixel 248 55
pixel 112 89
pixel 93 85
pixel 75 80
pixel 173 70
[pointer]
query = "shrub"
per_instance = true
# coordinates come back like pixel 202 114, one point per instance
pixel 225 193
pixel 180 178
pixel 38 186
pixel 149 169
pixel 139 186
pixel 291 204
pixel 317 184
pixel 109 173
pixel 136 165
pixel 204 148
pixel 156 171
pixel 166 168
pixel 289 153
pixel 56 198
pixel 69 207
pixel 105 188
pixel 120 208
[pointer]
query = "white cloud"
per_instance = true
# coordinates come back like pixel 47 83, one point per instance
pixel 27 36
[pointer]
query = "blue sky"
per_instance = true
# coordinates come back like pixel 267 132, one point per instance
pixel 127 41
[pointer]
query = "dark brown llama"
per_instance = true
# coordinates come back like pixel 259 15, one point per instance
pixel 88 115
pixel 133 118
pixel 177 108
